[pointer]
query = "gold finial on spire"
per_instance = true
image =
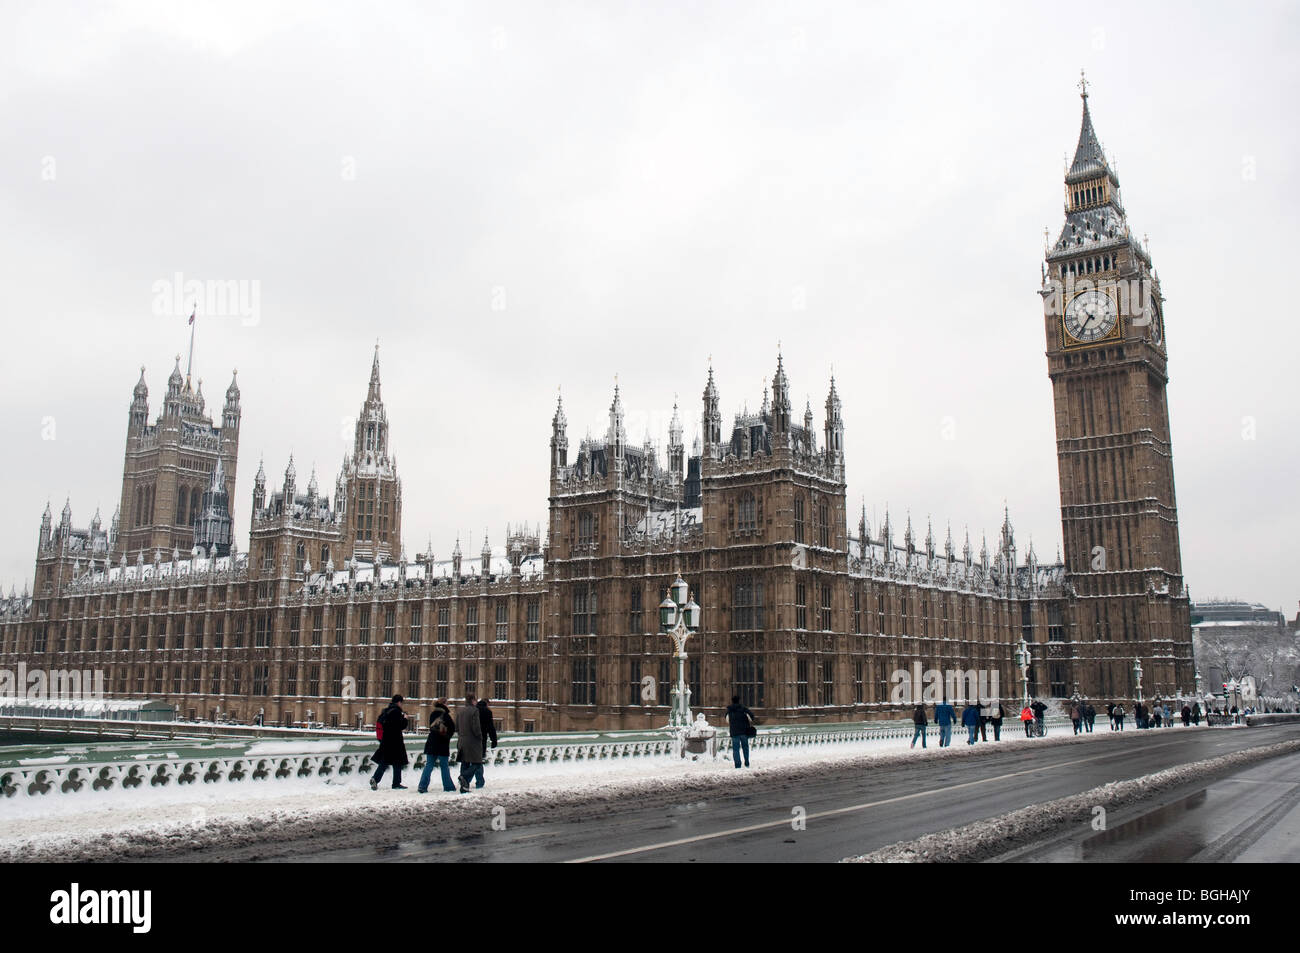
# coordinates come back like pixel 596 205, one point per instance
pixel 1083 85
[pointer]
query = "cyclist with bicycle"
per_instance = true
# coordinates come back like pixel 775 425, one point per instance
pixel 1040 726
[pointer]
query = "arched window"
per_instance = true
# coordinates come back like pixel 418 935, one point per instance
pixel 747 515
pixel 182 500
pixel 139 505
pixel 196 500
pixel 299 557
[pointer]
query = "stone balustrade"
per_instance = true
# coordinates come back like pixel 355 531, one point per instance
pixel 36 780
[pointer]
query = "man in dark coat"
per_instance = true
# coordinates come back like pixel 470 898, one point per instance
pixel 392 747
pixel 739 719
pixel 489 723
pixel 437 747
pixel 469 743
pixel 489 733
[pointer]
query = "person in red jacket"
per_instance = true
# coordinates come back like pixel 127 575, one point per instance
pixel 1027 718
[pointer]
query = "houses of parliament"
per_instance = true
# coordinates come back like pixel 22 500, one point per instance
pixel 805 616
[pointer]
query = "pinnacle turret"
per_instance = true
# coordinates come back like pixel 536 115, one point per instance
pixel 176 380
pixel 373 394
pixel 712 416
pixel 616 435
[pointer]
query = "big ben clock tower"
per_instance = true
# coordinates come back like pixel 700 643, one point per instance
pixel 1108 363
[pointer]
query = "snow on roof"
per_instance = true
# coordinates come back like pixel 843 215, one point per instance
pixel 471 566
pixel 185 567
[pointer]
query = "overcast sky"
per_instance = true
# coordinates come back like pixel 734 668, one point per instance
pixel 516 197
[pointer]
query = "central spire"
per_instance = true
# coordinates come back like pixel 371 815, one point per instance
pixel 1089 159
pixel 374 376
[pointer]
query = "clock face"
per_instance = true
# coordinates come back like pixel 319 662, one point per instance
pixel 1153 313
pixel 1090 316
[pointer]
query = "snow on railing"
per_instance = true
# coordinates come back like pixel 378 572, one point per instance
pixel 36 780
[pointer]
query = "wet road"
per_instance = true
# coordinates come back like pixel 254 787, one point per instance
pixel 845 812
pixel 1252 816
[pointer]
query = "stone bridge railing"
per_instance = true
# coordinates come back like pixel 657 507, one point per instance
pixel 36 780
pixel 40 779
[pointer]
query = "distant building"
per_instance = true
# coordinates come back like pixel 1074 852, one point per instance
pixel 1233 638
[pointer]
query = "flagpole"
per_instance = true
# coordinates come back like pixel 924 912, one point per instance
pixel 189 364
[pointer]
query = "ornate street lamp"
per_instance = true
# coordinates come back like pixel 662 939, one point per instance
pixel 1023 659
pixel 679 618
pixel 1137 677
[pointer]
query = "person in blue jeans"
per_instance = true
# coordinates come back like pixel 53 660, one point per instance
pixel 437 747
pixel 919 722
pixel 944 716
pixel 739 719
pixel 970 719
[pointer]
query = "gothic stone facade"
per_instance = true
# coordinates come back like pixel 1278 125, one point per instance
pixel 325 616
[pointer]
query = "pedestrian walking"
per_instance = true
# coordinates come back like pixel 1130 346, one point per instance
pixel 995 719
pixel 470 743
pixel 1196 713
pixel 740 722
pixel 489 731
pixel 919 722
pixel 970 719
pixel 944 716
pixel 1039 711
pixel 1157 716
pixel 1027 719
pixel 392 747
pixel 1091 715
pixel 1187 716
pixel 437 747
pixel 1076 717
pixel 1110 713
pixel 1119 717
